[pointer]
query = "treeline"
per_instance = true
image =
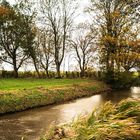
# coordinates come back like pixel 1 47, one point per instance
pixel 44 33
pixel 51 74
pixel 21 41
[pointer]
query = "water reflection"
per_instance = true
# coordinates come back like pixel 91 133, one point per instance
pixel 83 106
pixel 135 92
pixel 33 123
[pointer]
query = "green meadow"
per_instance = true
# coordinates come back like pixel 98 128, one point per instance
pixel 14 84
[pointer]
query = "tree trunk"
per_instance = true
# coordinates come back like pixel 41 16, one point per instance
pixel 107 62
pixel 58 71
pixel 15 73
pixel 15 68
pixel 47 73
pixel 36 68
pixel 82 73
pixel 127 69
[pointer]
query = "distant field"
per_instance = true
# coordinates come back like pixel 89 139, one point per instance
pixel 13 84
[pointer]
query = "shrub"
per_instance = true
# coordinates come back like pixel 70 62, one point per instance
pixel 121 80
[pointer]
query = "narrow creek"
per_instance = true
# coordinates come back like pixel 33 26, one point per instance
pixel 33 123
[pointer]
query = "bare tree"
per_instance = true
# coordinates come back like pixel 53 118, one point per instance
pixel 84 46
pixel 58 17
pixel 45 50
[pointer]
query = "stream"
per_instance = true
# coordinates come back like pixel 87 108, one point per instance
pixel 32 124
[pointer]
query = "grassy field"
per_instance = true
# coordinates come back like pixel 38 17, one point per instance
pixel 109 122
pixel 22 94
pixel 14 84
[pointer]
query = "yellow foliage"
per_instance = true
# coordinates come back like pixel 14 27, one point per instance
pixel 116 14
pixel 4 11
pixel 110 39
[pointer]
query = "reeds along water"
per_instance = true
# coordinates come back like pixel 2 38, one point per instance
pixel 121 121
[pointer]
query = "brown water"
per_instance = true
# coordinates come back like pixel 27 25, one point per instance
pixel 33 123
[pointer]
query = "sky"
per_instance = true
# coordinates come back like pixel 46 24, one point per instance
pixel 82 4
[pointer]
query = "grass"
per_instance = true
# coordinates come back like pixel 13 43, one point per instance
pixel 12 84
pixel 21 94
pixel 109 122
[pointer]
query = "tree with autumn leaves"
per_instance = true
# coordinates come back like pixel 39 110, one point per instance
pixel 127 56
pixel 116 21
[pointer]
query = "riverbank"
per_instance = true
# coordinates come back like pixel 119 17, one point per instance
pixel 21 94
pixel 120 121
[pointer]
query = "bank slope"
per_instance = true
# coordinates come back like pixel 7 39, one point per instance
pixel 109 122
pixel 19 99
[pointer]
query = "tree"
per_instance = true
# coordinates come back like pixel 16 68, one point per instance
pixel 114 18
pixel 127 56
pixel 58 17
pixel 128 49
pixel 26 7
pixel 84 46
pixel 15 35
pixel 45 50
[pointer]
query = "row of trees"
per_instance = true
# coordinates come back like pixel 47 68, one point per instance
pixel 46 35
pixel 22 40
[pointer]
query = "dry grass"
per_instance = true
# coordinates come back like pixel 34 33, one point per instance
pixel 109 122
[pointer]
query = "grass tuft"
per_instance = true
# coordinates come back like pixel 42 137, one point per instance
pixel 109 122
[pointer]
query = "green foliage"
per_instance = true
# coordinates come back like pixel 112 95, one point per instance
pixel 137 81
pixel 121 80
pixel 16 35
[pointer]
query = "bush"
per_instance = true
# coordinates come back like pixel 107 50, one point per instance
pixel 7 74
pixel 121 80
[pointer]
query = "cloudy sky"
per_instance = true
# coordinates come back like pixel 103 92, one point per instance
pixel 82 4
